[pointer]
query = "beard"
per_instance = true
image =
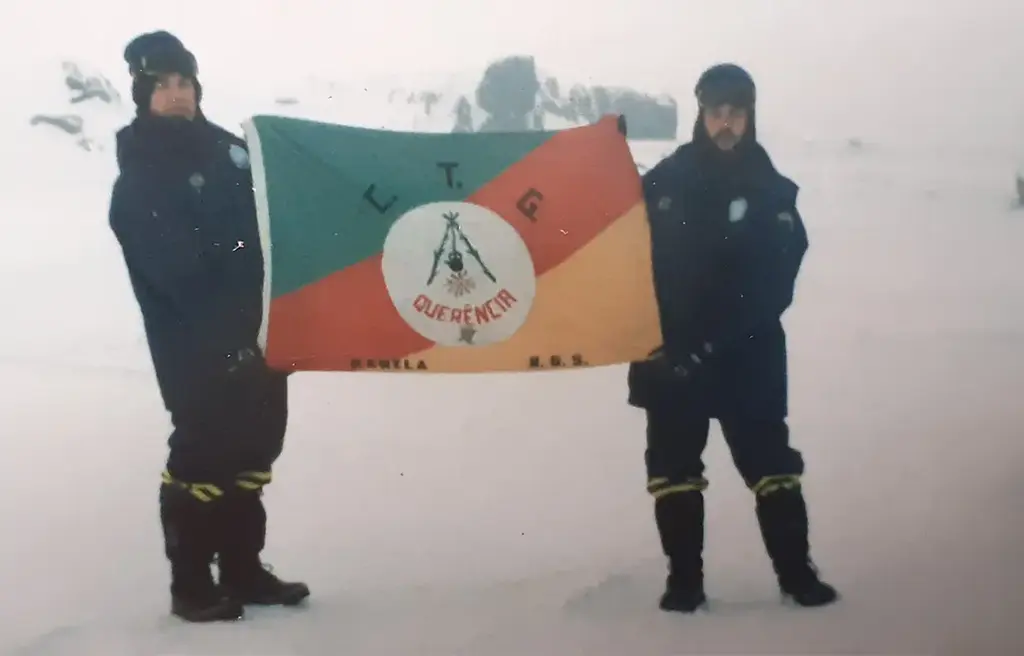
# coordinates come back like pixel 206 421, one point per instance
pixel 180 112
pixel 725 139
pixel 177 111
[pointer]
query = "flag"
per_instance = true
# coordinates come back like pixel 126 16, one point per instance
pixel 396 251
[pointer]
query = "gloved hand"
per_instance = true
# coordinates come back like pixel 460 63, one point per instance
pixel 246 361
pixel 660 366
pixel 251 359
pixel 250 363
pixel 693 361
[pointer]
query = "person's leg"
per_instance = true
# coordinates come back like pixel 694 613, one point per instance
pixel 222 446
pixel 192 490
pixel 243 526
pixel 187 526
pixel 772 469
pixel 676 439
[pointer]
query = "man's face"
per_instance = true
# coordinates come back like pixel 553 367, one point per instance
pixel 174 95
pixel 725 124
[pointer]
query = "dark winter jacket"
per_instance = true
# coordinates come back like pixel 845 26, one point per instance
pixel 184 213
pixel 727 243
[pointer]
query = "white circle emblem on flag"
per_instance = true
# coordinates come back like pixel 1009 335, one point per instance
pixel 458 274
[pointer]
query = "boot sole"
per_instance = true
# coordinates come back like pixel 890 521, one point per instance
pixel 707 606
pixel 685 610
pixel 291 600
pixel 207 617
pixel 790 601
pixel 702 608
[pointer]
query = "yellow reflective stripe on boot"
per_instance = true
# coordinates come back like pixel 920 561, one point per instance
pixel 769 484
pixel 660 487
pixel 253 480
pixel 202 491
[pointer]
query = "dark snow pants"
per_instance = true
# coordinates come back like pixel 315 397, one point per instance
pixel 677 437
pixel 235 429
pixel 222 450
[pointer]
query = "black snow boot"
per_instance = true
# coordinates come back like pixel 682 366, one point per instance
pixel 187 527
pixel 243 576
pixel 680 520
pixel 196 598
pixel 256 584
pixel 782 515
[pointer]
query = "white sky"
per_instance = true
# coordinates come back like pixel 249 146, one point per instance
pixel 872 61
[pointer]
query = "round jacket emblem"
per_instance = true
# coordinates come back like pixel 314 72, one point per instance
pixel 239 156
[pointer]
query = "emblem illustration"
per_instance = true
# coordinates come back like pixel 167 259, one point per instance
pixel 474 287
pixel 458 282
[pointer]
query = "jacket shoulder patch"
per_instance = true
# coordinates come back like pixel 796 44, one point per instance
pixel 238 156
pixel 737 210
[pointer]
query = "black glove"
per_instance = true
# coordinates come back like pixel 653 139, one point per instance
pixel 249 363
pixel 693 362
pixel 660 366
pixel 246 362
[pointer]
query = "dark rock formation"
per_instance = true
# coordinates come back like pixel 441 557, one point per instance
pixel 70 123
pixel 83 88
pixel 516 99
pixel 508 93
pixel 427 100
pixel 463 116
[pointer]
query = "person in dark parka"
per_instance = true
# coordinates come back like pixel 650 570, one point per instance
pixel 728 242
pixel 184 214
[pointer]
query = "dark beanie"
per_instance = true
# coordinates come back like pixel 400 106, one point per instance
pixel 158 53
pixel 726 84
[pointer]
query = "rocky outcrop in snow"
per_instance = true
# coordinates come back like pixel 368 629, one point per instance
pixel 70 123
pixel 515 97
pixel 89 95
pixel 88 86
pixel 512 94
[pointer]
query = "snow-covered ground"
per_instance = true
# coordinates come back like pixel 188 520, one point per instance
pixel 506 515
